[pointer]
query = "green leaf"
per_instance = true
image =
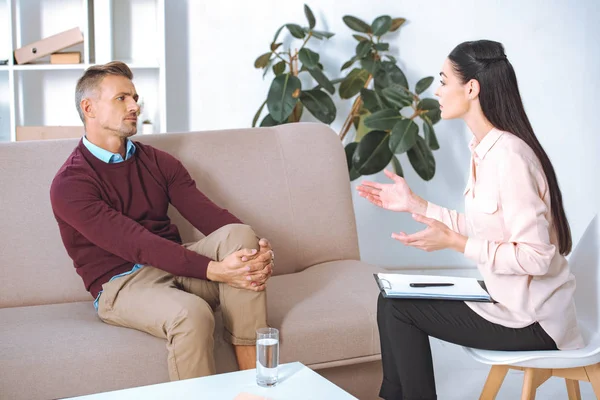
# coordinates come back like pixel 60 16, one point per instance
pixel 352 84
pixel 309 16
pixel 319 104
pixel 403 136
pixel 397 166
pixel 387 74
pixel 382 46
pixel 257 115
pixel 362 49
pixel 361 129
pixel 430 137
pixel 268 121
pixel 348 63
pixel 397 96
pixel 360 38
pixel 381 25
pixel 356 24
pixel 349 150
pixel 370 100
pixel 391 58
pixel 428 104
pixel 372 153
pixel 281 100
pixel 434 116
pixel 296 31
pixel 308 57
pixel 383 120
pixel 322 79
pixel 397 23
pixel 433 109
pixel 322 34
pixel 369 63
pixel 279 68
pixel 422 160
pixel 423 84
pixel 277 33
pixel 262 60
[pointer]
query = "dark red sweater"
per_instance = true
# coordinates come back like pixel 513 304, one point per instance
pixel 113 216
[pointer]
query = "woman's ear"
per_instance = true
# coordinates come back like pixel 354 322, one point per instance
pixel 473 89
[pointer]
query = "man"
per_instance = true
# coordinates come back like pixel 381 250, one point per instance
pixel 110 199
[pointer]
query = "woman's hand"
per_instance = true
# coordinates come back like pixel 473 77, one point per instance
pixel 437 236
pixel 395 196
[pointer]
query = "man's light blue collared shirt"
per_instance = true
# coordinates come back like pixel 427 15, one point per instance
pixel 111 158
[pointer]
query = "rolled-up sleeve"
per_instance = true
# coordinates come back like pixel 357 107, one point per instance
pixel 527 250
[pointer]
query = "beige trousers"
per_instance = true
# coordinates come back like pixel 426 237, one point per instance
pixel 180 309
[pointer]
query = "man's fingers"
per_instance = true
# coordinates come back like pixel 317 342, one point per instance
pixel 264 243
pixel 246 252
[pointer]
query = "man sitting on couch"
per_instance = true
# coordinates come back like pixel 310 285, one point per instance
pixel 110 199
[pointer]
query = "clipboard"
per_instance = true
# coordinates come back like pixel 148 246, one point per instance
pixel 454 293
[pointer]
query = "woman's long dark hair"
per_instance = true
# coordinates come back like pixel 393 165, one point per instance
pixel 485 61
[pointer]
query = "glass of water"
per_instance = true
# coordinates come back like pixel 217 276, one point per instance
pixel 267 356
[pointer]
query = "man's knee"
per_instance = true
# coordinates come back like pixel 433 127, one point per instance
pixel 195 319
pixel 241 236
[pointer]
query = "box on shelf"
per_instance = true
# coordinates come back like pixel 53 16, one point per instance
pixel 72 57
pixel 48 132
pixel 49 45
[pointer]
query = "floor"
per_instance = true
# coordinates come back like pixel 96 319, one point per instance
pixel 459 377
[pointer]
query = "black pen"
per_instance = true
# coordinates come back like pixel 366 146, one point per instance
pixel 425 284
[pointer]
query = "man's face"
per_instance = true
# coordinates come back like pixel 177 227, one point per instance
pixel 115 106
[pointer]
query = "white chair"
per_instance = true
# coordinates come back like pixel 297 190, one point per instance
pixel 575 365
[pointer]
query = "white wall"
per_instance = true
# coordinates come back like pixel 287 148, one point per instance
pixel 553 46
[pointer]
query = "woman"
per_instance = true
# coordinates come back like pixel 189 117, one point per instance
pixel 514 228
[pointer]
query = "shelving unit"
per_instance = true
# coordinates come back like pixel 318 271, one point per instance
pixel 42 94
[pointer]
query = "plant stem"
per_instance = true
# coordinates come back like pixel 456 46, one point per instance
pixel 353 112
pixel 282 59
pixel 306 40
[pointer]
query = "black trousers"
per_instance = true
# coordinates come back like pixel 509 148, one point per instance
pixel 404 330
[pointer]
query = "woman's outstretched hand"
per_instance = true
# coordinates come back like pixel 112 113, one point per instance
pixel 395 196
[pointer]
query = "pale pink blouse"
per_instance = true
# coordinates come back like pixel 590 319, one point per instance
pixel 511 238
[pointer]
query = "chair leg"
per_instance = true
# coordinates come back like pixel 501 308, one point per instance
pixel 534 377
pixel 593 373
pixel 573 389
pixel 493 382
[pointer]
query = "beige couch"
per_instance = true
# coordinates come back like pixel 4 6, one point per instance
pixel 290 183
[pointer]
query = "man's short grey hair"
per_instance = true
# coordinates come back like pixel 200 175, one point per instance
pixel 93 76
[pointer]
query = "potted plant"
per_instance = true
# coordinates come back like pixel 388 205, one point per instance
pixel 385 108
pixel 147 127
pixel 287 98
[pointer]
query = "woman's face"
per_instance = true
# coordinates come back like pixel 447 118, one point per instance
pixel 454 96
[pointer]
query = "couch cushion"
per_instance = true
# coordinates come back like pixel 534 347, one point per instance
pixel 326 313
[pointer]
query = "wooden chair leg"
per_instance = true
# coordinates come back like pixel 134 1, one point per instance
pixel 593 374
pixel 534 377
pixel 573 389
pixel 493 382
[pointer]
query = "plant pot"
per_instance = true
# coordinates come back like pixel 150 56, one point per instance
pixel 147 129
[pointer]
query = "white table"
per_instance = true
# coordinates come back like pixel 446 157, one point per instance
pixel 296 381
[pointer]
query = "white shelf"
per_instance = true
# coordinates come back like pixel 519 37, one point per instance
pixel 40 93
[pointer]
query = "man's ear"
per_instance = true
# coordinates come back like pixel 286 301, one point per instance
pixel 473 89
pixel 87 106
